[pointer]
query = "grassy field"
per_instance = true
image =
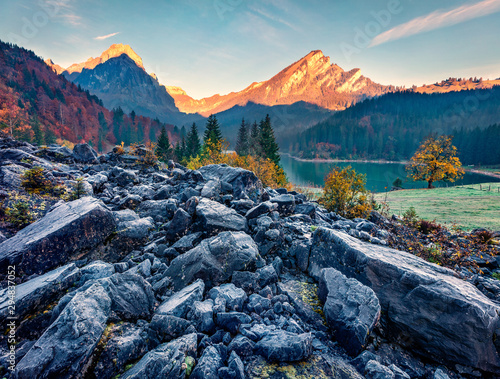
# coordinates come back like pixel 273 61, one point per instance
pixel 470 207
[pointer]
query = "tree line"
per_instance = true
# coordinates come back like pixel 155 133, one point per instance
pixel 392 126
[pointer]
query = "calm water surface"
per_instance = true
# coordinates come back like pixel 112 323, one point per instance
pixel 378 175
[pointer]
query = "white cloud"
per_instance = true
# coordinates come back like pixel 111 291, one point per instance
pixel 438 19
pixel 100 38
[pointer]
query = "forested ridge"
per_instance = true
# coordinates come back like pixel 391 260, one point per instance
pixel 39 106
pixel 393 125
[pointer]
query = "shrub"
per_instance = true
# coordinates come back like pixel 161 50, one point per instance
pixel 398 183
pixel 20 215
pixel 345 193
pixel 410 217
pixel 34 181
pixel 483 236
pixel 78 190
pixel 427 227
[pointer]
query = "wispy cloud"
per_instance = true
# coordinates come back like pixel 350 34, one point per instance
pixel 438 19
pixel 272 17
pixel 63 10
pixel 100 38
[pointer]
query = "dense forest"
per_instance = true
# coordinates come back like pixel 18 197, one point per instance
pixel 392 127
pixel 39 106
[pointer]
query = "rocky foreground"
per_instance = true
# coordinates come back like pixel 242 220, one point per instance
pixel 173 273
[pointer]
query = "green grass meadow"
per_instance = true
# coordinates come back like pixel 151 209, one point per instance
pixel 470 206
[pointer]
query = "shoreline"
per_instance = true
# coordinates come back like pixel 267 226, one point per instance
pixel 381 161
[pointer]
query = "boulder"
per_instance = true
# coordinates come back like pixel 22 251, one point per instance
pixel 351 309
pixel 36 294
pixel 166 361
pixel 245 183
pixel 180 303
pixel 84 153
pixel 202 316
pixel 168 327
pixel 213 217
pixel 427 308
pixel 131 296
pixel 263 208
pixel 179 225
pixel 64 349
pixel 68 232
pixel 157 208
pixel 285 203
pixel 235 297
pixel 282 346
pixel 128 344
pixel 231 321
pixel 209 364
pixel 214 260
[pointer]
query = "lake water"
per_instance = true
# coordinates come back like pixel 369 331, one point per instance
pixel 379 176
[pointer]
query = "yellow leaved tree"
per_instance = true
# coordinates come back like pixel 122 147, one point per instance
pixel 345 193
pixel 436 159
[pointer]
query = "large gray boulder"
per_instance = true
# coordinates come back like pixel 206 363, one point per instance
pixel 209 364
pixel 245 183
pixel 213 217
pixel 427 307
pixel 214 260
pixel 180 303
pixel 36 294
pixel 166 361
pixel 68 232
pixel 64 349
pixel 351 309
pixel 84 153
pixel 281 346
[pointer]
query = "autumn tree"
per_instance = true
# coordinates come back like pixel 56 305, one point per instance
pixel 345 193
pixel 436 159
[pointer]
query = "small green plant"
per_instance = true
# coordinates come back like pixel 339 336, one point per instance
pixel 410 217
pixel 78 190
pixel 313 228
pixel 20 215
pixel 496 275
pixel 34 181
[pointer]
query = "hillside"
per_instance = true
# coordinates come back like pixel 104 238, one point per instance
pixel 40 106
pixel 312 79
pixel 392 126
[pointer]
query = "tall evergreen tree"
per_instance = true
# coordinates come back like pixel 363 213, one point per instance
pixel 242 142
pixel 212 131
pixel 163 149
pixel 267 141
pixel 193 145
pixel 38 133
pixel 254 140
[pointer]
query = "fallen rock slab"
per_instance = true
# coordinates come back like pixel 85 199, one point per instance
pixel 68 232
pixel 427 307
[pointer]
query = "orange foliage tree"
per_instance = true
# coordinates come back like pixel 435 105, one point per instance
pixel 436 159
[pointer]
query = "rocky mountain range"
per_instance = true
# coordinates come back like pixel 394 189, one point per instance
pixel 312 79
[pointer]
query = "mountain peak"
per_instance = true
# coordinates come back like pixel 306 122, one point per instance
pixel 118 49
pixel 113 51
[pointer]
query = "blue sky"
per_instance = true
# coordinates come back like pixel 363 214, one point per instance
pixel 219 46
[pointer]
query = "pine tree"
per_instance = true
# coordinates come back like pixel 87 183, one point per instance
pixel 163 149
pixel 242 143
pixel 212 131
pixel 193 146
pixel 254 140
pixel 38 133
pixel 267 142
